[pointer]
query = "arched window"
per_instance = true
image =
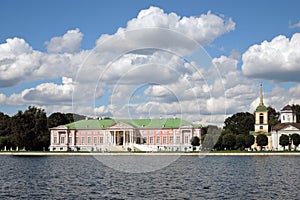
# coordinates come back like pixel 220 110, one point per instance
pixel 261 118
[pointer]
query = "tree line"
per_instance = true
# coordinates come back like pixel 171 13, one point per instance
pixel 236 132
pixel 29 130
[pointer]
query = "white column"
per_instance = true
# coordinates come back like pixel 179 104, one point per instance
pixel 114 139
pixel 174 137
pixel 132 140
pixel 74 137
pixel 51 137
pixel 124 138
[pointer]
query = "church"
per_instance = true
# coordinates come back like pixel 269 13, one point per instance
pixel 261 125
pixel 287 125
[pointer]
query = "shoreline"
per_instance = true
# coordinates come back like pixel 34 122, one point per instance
pixel 147 154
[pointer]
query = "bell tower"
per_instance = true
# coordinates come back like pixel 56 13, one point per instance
pixel 261 115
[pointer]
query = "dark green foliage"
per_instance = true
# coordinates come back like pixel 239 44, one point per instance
pixel 297 112
pixel 30 129
pixel 296 140
pixel 212 138
pixel 56 119
pixel 261 140
pixel 240 123
pixel 284 140
pixel 4 124
pixel 229 140
pixel 249 141
pixel 273 117
pixel 195 141
pixel 240 141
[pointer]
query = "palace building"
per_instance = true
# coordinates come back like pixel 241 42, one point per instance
pixel 173 134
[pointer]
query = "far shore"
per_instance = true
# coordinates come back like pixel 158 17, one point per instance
pixel 29 153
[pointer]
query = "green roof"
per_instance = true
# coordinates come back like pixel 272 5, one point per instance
pixel 262 108
pixel 91 124
pixel 136 123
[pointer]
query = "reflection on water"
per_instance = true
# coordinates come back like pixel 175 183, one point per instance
pixel 189 177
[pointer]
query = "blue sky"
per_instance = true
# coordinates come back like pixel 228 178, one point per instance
pixel 38 22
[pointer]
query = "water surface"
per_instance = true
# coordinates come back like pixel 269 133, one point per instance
pixel 189 177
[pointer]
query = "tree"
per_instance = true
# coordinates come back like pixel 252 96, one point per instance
pixel 240 123
pixel 240 141
pixel 4 124
pixel 273 117
pixel 296 140
pixel 261 140
pixel 284 140
pixel 195 141
pixel 229 140
pixel 249 141
pixel 296 109
pixel 29 129
pixel 56 119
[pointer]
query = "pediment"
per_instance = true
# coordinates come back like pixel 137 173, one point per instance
pixel 186 126
pixel 290 128
pixel 61 127
pixel 120 125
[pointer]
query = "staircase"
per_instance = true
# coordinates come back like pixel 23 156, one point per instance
pixel 148 148
pixel 117 148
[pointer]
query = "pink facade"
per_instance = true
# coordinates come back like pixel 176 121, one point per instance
pixel 122 135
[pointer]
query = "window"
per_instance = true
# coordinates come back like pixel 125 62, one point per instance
pixel 89 140
pixel 171 140
pixel 260 127
pixel 151 140
pixel 95 140
pixel 62 139
pixel 186 139
pixel 261 118
pixel 82 140
pixel 145 140
pixel 70 140
pixel 157 140
pixel 101 140
pixel 177 139
pixel 164 140
pixel 55 140
pixel 76 140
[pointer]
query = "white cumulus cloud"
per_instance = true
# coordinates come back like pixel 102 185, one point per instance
pixel 275 60
pixel 68 43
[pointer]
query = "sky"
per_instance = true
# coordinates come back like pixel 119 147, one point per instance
pixel 201 60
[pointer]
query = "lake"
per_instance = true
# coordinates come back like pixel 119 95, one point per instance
pixel 186 177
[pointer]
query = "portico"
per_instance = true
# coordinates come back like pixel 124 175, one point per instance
pixel 121 137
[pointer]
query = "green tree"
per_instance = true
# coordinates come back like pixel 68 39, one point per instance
pixel 273 117
pixel 212 138
pixel 249 141
pixel 284 140
pixel 296 140
pixel 240 141
pixel 4 124
pixel 229 140
pixel 261 140
pixel 56 119
pixel 29 129
pixel 195 141
pixel 242 122
pixel 296 109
